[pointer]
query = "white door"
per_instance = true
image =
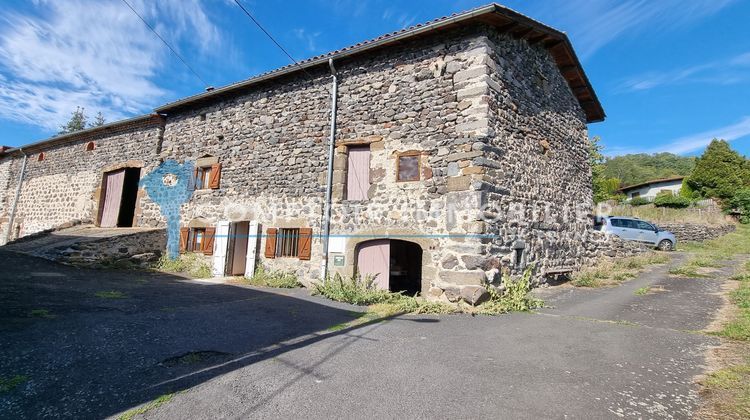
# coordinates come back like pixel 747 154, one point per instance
pixel 252 243
pixel 221 240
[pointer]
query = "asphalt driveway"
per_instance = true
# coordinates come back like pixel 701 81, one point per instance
pixel 237 352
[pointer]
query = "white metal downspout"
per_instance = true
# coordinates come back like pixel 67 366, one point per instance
pixel 329 178
pixel 18 194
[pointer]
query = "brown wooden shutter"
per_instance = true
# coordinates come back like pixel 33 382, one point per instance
pixel 270 243
pixel 184 233
pixel 305 243
pixel 215 179
pixel 208 241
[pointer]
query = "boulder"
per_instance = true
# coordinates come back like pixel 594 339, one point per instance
pixel 474 295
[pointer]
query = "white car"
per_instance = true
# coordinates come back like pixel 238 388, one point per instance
pixel 632 229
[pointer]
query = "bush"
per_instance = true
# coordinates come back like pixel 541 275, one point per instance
pixel 741 203
pixel 354 290
pixel 192 264
pixel 639 201
pixel 667 199
pixel 279 279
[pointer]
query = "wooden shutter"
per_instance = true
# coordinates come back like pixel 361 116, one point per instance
pixel 270 243
pixel 215 178
pixel 184 233
pixel 305 243
pixel 208 241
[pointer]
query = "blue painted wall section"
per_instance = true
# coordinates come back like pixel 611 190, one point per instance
pixel 170 185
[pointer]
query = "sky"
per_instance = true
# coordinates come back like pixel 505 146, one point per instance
pixel 671 74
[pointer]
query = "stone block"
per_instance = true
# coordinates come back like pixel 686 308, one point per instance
pixel 459 183
pixel 474 295
pixel 462 278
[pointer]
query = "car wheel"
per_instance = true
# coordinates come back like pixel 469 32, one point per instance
pixel 665 245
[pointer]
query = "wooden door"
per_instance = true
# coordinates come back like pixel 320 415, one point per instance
pixel 220 248
pixel 374 259
pixel 239 249
pixel 113 183
pixel 358 173
pixel 252 247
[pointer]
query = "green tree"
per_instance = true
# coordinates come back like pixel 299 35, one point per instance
pixel 720 172
pixel 77 122
pixel 604 188
pixel 636 168
pixel 98 120
pixel 741 202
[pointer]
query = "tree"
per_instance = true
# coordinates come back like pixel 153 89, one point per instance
pixel 741 202
pixel 98 120
pixel 604 188
pixel 636 168
pixel 77 122
pixel 720 172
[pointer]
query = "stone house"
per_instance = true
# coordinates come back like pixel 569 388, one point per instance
pixel 460 146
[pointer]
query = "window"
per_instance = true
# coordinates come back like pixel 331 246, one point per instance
pixel 617 222
pixel 358 173
pixel 202 176
pixel 90 146
pixel 408 167
pixel 207 176
pixel 645 226
pixel 41 157
pixel 635 194
pixel 288 243
pixel 197 239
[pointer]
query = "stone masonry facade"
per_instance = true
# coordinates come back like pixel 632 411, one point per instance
pixel 500 138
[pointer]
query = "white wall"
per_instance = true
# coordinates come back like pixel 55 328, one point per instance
pixel 650 191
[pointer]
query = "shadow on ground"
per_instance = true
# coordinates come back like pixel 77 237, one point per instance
pixel 93 343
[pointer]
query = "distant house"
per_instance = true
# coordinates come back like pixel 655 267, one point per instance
pixel 650 189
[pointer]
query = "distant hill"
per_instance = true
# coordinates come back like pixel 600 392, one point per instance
pixel 642 167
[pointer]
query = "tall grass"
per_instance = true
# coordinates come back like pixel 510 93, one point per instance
pixel 191 264
pixel 272 278
pixel 363 291
pixel 610 271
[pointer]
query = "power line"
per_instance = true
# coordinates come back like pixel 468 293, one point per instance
pixel 166 43
pixel 255 21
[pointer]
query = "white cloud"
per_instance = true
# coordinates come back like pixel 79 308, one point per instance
pixel 693 142
pixel 93 54
pixel 727 71
pixel 592 24
pixel 308 38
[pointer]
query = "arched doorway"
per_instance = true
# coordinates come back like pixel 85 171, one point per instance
pixel 395 264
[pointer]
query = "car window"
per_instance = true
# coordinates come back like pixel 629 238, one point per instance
pixel 629 224
pixel 645 226
pixel 616 222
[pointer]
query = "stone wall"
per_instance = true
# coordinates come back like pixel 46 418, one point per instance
pixel 138 248
pixel 65 185
pixel 696 232
pixel 500 138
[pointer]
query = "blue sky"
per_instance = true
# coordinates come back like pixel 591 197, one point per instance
pixel 671 74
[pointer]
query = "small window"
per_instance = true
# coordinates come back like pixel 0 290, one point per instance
pixel 645 226
pixel 41 157
pixel 90 146
pixel 202 176
pixel 287 243
pixel 196 239
pixel 208 177
pixel 408 167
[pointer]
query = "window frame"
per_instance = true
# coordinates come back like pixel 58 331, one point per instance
pixel 204 174
pixel 192 244
pixel 287 242
pixel 410 154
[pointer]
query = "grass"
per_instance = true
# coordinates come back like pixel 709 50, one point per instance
pixel 383 303
pixel 111 294
pixel 728 390
pixel 712 254
pixel 643 290
pixel 41 313
pixel 610 272
pixel 265 278
pixel 739 327
pixel 131 414
pixel 191 264
pixel 687 271
pixel 9 384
